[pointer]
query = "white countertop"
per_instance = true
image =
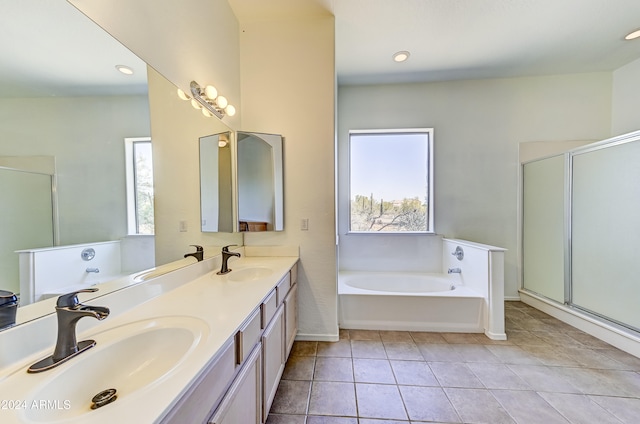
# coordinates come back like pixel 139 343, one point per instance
pixel 221 304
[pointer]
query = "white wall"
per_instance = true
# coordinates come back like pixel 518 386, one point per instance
pixel 86 136
pixel 288 88
pixel 626 95
pixel 478 127
pixel 175 131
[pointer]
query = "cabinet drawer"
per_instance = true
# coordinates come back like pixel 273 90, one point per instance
pixel 204 395
pixel 269 307
pixel 294 274
pixel 283 287
pixel 248 335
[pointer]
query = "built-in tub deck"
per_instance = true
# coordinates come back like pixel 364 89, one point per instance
pixel 408 302
pixel 467 296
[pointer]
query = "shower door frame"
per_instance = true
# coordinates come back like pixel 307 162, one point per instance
pixel 41 165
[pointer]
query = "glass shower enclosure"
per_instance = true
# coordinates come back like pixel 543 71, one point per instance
pixel 581 229
pixel 27 212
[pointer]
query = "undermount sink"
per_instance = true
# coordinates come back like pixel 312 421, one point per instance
pixel 148 275
pixel 162 270
pixel 130 359
pixel 249 274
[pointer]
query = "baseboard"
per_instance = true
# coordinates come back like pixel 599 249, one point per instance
pixel 318 337
pixel 411 326
pixel 512 299
pixel 495 336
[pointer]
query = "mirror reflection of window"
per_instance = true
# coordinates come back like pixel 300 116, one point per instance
pixel 139 168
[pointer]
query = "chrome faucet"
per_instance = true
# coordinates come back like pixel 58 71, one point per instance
pixel 69 311
pixel 224 269
pixel 454 271
pixel 198 254
pixel 94 270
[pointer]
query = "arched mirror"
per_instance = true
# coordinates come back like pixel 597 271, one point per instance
pixel 260 182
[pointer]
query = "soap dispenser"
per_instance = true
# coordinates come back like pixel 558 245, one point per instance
pixel 8 308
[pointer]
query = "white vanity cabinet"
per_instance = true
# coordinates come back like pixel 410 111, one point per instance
pixel 291 318
pixel 273 359
pixel 287 290
pixel 200 399
pixel 252 364
pixel 222 343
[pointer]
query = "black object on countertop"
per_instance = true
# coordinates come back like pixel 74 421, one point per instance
pixel 8 308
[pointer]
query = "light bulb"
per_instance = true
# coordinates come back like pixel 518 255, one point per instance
pixel 124 69
pixel 195 104
pixel 230 110
pixel 401 56
pixel 222 102
pixel 206 112
pixel 633 35
pixel 211 92
pixel 222 143
pixel 183 95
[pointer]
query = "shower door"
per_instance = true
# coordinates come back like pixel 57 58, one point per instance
pixel 26 219
pixel 543 227
pixel 605 230
pixel 581 229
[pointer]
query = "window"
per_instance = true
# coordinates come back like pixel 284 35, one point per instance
pixel 139 168
pixel 391 181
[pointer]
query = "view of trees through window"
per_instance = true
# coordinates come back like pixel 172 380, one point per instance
pixel 143 177
pixel 390 181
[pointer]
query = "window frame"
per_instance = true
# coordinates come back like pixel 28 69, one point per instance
pixel 429 132
pixel 132 204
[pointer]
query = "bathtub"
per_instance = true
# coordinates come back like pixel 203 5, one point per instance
pixel 408 302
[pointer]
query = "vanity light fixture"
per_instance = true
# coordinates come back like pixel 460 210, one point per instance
pixel 124 69
pixel 183 95
pixel 633 35
pixel 196 105
pixel 222 141
pixel 401 56
pixel 208 100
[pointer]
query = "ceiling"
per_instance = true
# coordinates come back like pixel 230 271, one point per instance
pixel 468 39
pixel 48 48
pixel 447 39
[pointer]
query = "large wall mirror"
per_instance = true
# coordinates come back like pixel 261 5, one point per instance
pixel 63 101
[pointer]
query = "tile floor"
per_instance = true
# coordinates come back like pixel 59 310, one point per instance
pixel 546 372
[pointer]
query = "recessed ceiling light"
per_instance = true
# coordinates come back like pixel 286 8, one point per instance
pixel 633 35
pixel 124 69
pixel 401 56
